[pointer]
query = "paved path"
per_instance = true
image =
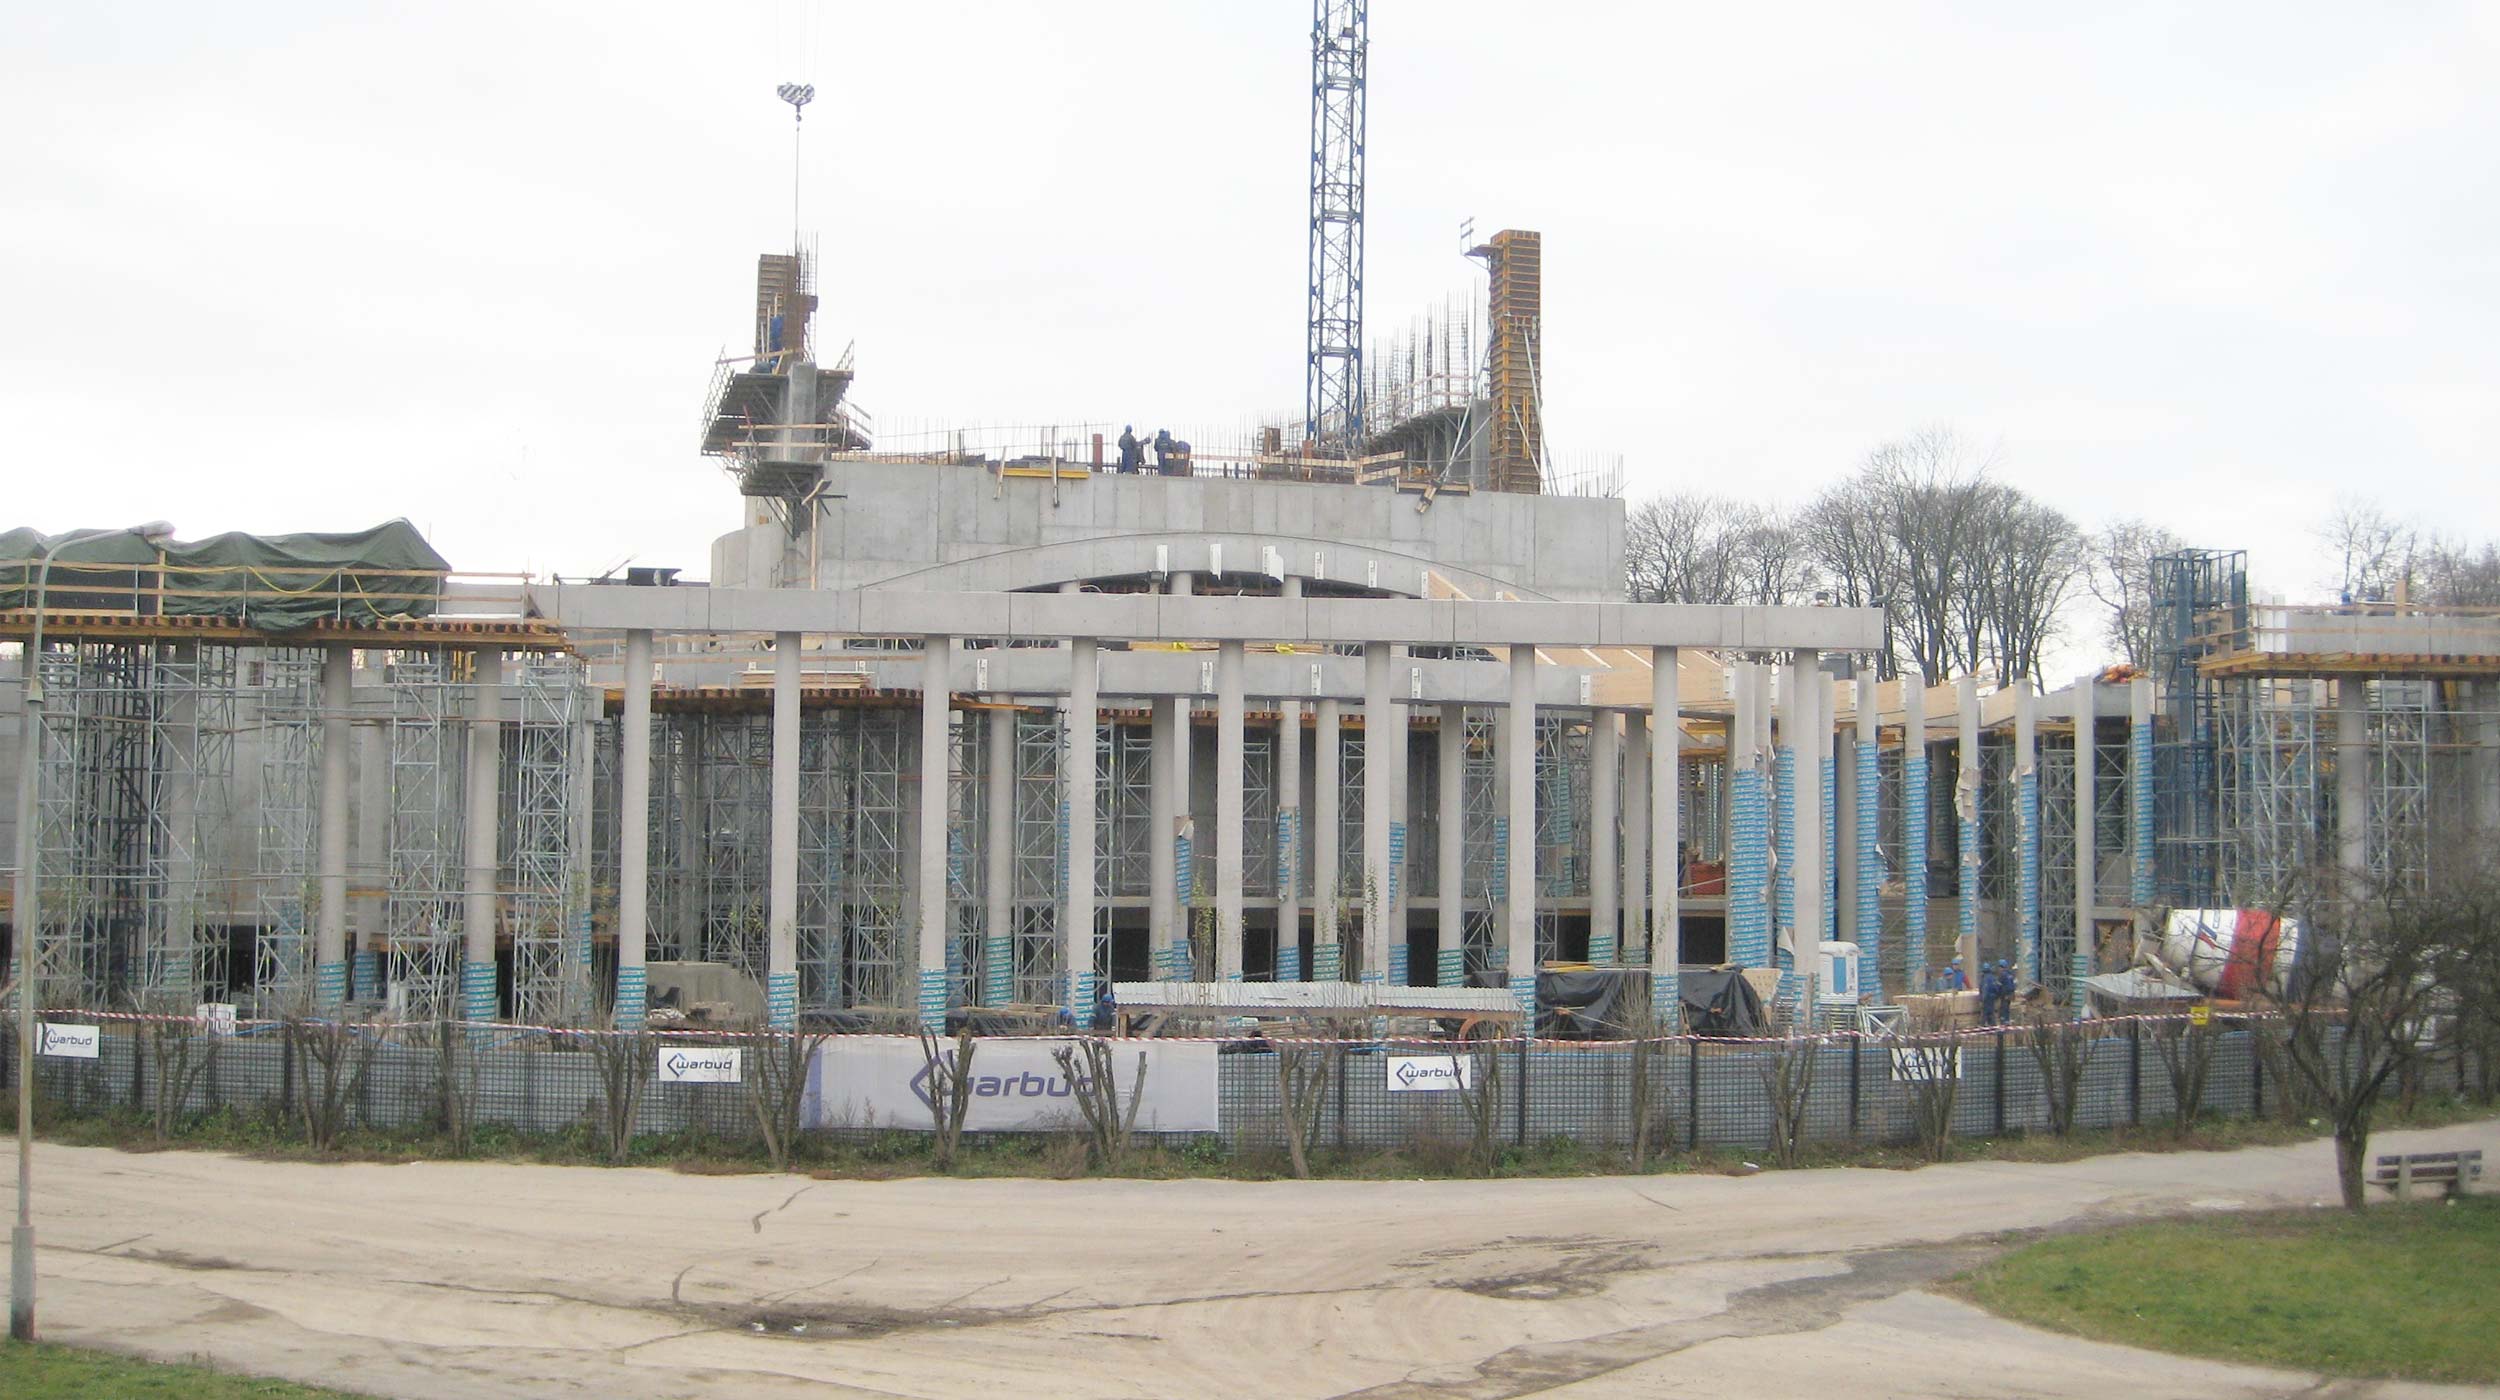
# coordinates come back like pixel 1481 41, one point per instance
pixel 477 1280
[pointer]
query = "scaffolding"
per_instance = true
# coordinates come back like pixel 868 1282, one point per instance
pixel 2199 603
pixel 2401 722
pixel 546 906
pixel 824 807
pixel 2056 771
pixel 1480 833
pixel 135 760
pixel 881 966
pixel 286 704
pixel 1037 971
pixel 2272 775
pixel 421 907
pixel 191 813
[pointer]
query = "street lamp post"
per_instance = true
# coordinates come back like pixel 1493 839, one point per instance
pixel 27 916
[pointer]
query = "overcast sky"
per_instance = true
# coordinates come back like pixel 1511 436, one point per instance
pixel 302 266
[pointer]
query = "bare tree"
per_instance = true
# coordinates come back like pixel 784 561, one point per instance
pixel 625 1060
pixel 1305 1067
pixel 950 1091
pixel 2372 554
pixel 2455 574
pixel 2356 1017
pixel 2119 577
pixel 1095 1085
pixel 2030 558
pixel 776 1090
pixel 1696 548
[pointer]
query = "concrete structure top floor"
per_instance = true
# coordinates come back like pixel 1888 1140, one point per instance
pixel 961 528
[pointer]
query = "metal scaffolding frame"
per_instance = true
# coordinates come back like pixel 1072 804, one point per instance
pixel 285 711
pixel 545 911
pixel 1480 837
pixel 880 965
pixel 131 728
pixel 824 845
pixel 2271 778
pixel 2057 867
pixel 733 763
pixel 1562 821
pixel 2402 714
pixel 1258 815
pixel 421 907
pixel 967 875
pixel 192 809
pixel 1038 976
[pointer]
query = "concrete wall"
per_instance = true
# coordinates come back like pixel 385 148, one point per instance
pixel 884 524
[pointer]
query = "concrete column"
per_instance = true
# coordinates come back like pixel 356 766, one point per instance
pixel 1914 834
pixel 1866 883
pixel 1400 892
pixel 936 802
pixel 2087 838
pixel 371 864
pixel 1450 847
pixel 1844 817
pixel 2141 865
pixel 2027 833
pixel 781 915
pixel 1519 853
pixel 338 698
pixel 1812 696
pixel 1378 768
pixel 2352 776
pixel 1605 760
pixel 1634 947
pixel 633 835
pixel 1749 934
pixel 1077 931
pixel 1289 840
pixel 998 855
pixel 1966 811
pixel 1167 819
pixel 1327 784
pixel 1790 939
pixel 478 1000
pixel 1229 815
pixel 1289 868
pixel 1666 789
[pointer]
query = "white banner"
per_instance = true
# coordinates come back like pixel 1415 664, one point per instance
pixel 881 1081
pixel 69 1042
pixel 700 1064
pixel 1413 1074
pixel 215 1018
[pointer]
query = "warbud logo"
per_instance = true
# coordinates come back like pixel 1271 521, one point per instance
pixel 1031 1084
pixel 699 1065
pixel 1427 1073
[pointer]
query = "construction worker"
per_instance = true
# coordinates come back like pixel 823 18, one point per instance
pixel 1132 457
pixel 1952 979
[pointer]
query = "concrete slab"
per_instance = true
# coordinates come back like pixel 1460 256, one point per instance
pixel 489 1280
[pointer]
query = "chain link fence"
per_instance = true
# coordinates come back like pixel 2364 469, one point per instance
pixel 1692 1093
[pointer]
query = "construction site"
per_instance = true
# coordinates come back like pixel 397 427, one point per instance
pixel 982 723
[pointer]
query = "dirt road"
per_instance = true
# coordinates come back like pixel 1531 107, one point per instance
pixel 466 1280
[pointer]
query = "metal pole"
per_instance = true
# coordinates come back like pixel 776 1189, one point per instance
pixel 27 916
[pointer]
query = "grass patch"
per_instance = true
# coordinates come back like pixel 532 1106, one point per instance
pixel 47 1372
pixel 2395 1291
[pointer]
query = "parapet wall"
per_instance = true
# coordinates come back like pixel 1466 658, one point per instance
pixel 915 526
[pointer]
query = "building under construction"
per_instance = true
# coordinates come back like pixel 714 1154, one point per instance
pixel 960 724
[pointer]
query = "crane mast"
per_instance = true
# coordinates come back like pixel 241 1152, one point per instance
pixel 1333 344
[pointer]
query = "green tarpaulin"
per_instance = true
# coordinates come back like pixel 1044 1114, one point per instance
pixel 274 582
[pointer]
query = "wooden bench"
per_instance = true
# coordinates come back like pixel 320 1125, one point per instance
pixel 2455 1171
